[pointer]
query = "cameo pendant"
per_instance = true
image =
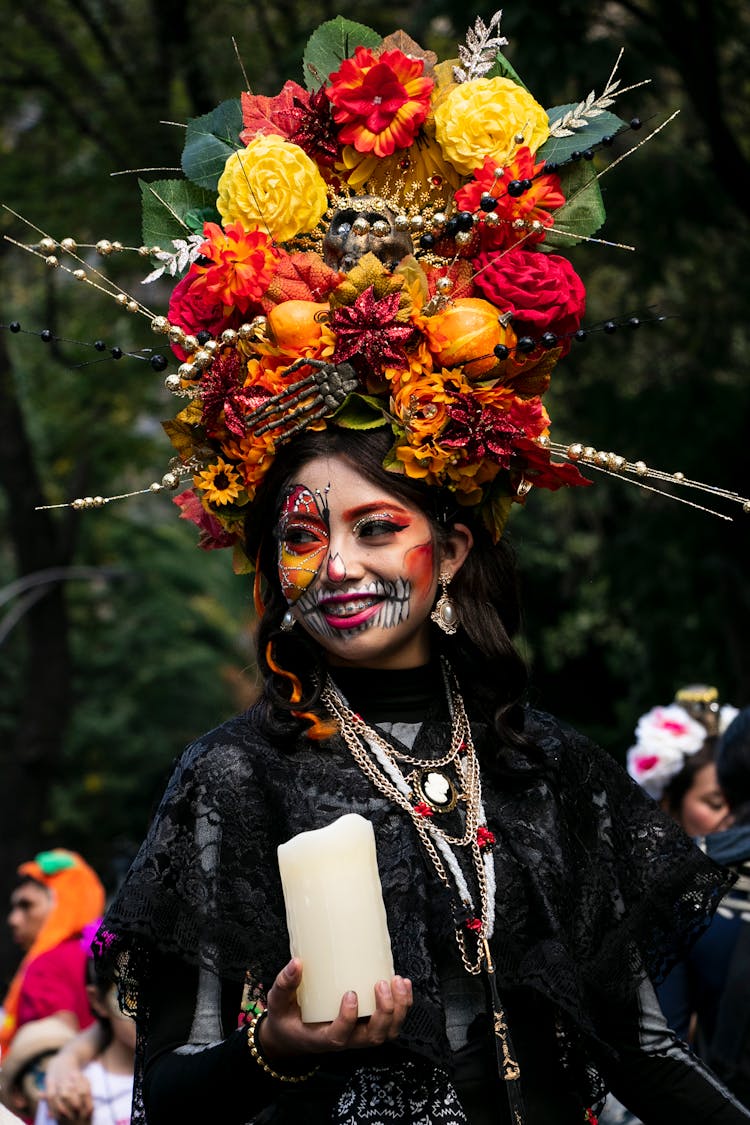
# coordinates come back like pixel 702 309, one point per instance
pixel 435 788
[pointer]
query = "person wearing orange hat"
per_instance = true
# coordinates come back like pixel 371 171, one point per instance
pixel 57 895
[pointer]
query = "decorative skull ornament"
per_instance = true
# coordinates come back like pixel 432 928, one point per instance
pixel 369 228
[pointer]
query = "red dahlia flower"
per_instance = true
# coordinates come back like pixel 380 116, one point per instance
pixel 381 102
pixel 535 205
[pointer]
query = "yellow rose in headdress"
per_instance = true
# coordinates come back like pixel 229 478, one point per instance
pixel 488 117
pixel 272 185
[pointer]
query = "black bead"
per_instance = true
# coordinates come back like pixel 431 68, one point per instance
pixel 158 362
pixel 580 335
pixel 488 202
pixel 548 340
pixel 551 166
pixel 526 184
pixel 427 241
pixel 451 227
pixel 45 335
pixel 203 336
pixel 501 351
pixel 116 353
pixel 14 326
pixel 634 322
pixel 607 141
pixel 635 123
pixel 575 155
pixel 100 346
pixel 526 344
pixel 610 327
pixel 515 188
pixel 588 154
pixel 465 220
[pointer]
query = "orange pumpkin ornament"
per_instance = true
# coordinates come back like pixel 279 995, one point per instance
pixel 465 334
pixel 296 326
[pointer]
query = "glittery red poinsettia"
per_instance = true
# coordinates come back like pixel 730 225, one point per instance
pixel 368 329
pixel 485 432
pixel 222 393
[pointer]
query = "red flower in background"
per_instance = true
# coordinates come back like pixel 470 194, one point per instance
pixel 380 102
pixel 194 309
pixel 543 291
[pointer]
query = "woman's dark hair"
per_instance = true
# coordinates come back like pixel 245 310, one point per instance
pixel 733 766
pixel 674 793
pixel 485 590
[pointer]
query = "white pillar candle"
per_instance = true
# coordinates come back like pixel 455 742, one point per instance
pixel 336 916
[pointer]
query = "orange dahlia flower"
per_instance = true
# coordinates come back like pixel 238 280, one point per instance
pixel 380 102
pixel 240 268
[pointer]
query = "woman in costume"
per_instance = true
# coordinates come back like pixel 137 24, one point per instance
pixel 367 322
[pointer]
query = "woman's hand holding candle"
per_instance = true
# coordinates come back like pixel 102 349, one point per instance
pixel 283 1035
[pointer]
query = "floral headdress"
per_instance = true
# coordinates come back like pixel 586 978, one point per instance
pixel 380 247
pixel 667 736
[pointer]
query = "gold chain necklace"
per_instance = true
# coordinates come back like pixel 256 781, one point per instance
pixel 378 761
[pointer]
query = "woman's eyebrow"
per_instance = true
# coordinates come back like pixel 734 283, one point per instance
pixel 377 506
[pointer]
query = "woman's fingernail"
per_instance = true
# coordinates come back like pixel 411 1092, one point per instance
pixel 350 997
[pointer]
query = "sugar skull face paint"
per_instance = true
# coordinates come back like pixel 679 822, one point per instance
pixel 303 540
pixel 358 565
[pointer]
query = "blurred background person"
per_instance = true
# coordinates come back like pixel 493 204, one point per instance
pixel 23 1070
pixel 57 895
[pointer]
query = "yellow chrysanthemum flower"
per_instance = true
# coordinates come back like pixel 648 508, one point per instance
pixel 488 117
pixel 272 185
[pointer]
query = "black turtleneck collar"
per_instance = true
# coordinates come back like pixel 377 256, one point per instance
pixel 397 695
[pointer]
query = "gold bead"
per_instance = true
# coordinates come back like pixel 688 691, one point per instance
pixel 99 502
pixel 575 451
pixel 444 285
pixel 492 219
pixel 154 250
pixel 537 225
pixel 155 486
pixel 518 139
pixel 229 337
pixel 117 246
pixel 678 476
pixel 144 251
pixel 641 468
pixel 463 237
pixel 104 247
pixel 380 228
pixel 615 462
pixel 401 223
pixel 543 440
pixel 47 245
pixel 170 480
pixel 132 306
pixel 246 331
pixel 51 262
pixel 361 226
pixel 79 275
pixel 746 506
pixel 88 501
pixel 519 224
pixel 187 371
pixel 122 298
pixel 201 358
pixel 176 334
pixel 438 220
pixel 161 325
pixel 589 453
pixel 416 223
pixel 499 173
pixel 69 245
pixel 602 459
pixel 173 383
pixel 190 344
pixel 210 346
pixel 78 505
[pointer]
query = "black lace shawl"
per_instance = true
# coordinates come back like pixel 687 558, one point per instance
pixel 595 887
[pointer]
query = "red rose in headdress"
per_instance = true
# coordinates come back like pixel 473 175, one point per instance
pixel 543 291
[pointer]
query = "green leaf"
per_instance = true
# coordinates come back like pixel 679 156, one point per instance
pixel 560 148
pixel 330 44
pixel 359 412
pixel 583 212
pixel 210 141
pixel 502 69
pixel 168 208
